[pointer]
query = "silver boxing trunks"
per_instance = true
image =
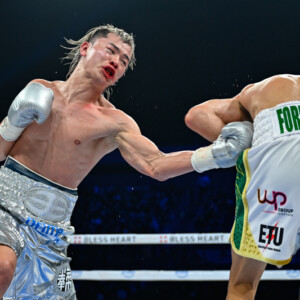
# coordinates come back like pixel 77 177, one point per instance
pixel 35 222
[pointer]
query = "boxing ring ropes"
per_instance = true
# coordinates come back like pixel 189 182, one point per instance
pixel 161 275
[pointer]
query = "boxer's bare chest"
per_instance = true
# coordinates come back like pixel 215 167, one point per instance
pixel 69 144
pixel 75 123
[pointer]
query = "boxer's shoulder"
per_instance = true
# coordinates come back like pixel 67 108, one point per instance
pixel 46 83
pixel 119 119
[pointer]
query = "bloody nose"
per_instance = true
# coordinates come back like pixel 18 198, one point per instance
pixel 114 64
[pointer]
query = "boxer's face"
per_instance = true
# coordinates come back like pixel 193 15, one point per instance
pixel 106 59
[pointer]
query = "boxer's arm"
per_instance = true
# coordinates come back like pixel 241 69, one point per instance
pixel 143 155
pixel 5 147
pixel 208 118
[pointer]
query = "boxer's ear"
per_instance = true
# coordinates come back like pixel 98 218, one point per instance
pixel 84 48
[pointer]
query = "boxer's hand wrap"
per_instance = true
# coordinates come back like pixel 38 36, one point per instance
pixel 223 153
pixel 34 102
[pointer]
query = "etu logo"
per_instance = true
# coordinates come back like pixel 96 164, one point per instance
pixel 278 197
pixel 271 234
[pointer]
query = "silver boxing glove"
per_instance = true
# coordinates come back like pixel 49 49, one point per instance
pixel 223 153
pixel 33 103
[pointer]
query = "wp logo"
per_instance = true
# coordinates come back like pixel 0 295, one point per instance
pixel 279 198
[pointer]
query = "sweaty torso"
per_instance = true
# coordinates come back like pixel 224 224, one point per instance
pixel 269 93
pixel 70 142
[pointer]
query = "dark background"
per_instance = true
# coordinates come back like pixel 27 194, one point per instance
pixel 187 52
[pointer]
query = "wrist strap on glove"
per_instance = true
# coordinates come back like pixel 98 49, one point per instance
pixel 202 159
pixel 8 131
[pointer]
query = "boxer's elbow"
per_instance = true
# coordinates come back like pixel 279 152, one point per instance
pixel 2 157
pixel 156 174
pixel 195 116
pixel 159 176
pixel 5 148
pixel 189 118
pixel 154 171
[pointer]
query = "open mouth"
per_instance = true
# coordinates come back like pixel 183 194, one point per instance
pixel 109 71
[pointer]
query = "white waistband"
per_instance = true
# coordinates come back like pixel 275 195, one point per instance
pixel 277 121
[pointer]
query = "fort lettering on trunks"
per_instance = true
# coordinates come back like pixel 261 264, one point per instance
pixel 288 118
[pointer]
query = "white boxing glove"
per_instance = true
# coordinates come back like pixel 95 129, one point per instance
pixel 223 153
pixel 33 103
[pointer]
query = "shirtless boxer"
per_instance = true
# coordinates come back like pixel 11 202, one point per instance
pixel 267 185
pixel 51 147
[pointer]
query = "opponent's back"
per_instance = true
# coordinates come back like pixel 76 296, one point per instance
pixel 269 93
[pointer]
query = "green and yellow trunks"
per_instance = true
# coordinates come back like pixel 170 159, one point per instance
pixel 267 217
